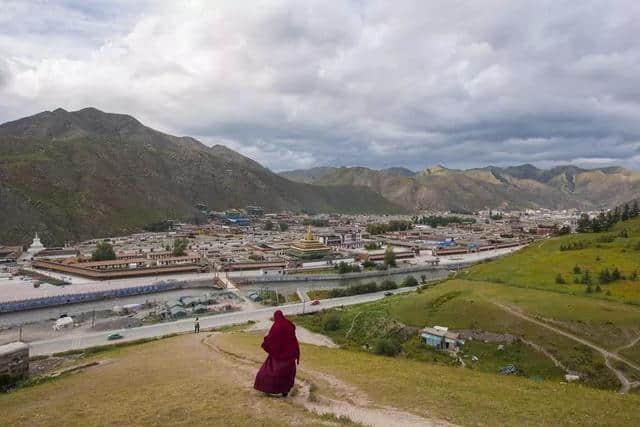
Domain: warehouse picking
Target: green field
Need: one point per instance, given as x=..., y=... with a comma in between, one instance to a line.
x=463, y=304
x=538, y=265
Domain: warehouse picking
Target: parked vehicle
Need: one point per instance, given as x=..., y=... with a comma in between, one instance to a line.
x=388, y=294
x=114, y=336
x=315, y=302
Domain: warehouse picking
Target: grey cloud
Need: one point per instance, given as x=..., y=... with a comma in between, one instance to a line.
x=299, y=84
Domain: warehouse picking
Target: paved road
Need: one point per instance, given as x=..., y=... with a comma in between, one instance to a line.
x=186, y=325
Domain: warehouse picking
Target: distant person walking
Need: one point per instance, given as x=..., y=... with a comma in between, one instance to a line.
x=278, y=372
x=196, y=326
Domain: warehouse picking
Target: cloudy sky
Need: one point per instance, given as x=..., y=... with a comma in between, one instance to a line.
x=296, y=84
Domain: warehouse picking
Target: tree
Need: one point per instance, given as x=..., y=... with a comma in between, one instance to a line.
x=387, y=285
x=559, y=279
x=386, y=347
x=389, y=257
x=626, y=212
x=331, y=322
x=616, y=275
x=268, y=225
x=423, y=278
x=103, y=252
x=584, y=224
x=284, y=226
x=605, y=276
x=577, y=269
x=635, y=210
x=179, y=247
x=410, y=281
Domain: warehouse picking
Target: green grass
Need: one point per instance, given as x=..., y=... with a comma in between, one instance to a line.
x=461, y=396
x=538, y=265
x=461, y=304
x=293, y=297
x=318, y=294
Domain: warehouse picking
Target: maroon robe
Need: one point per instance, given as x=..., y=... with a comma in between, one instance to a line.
x=278, y=372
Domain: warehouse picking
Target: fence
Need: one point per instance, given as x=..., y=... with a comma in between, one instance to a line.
x=50, y=301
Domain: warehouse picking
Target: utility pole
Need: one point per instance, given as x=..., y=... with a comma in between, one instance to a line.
x=93, y=318
x=20, y=339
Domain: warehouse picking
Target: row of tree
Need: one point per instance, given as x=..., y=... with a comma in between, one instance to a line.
x=367, y=288
x=388, y=227
x=268, y=225
x=441, y=221
x=604, y=222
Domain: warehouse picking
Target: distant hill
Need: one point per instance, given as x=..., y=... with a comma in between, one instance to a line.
x=82, y=174
x=514, y=187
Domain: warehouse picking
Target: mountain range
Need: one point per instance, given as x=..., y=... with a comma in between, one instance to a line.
x=87, y=173
x=515, y=187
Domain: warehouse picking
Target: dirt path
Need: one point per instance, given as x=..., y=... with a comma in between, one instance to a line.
x=350, y=402
x=544, y=351
x=631, y=344
x=625, y=384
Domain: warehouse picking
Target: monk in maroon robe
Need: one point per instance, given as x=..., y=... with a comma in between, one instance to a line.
x=278, y=372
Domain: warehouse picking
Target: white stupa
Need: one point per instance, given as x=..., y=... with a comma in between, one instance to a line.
x=35, y=248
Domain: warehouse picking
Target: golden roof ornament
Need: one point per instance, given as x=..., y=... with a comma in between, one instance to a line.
x=309, y=235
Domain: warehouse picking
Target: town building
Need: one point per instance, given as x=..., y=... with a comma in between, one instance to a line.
x=10, y=253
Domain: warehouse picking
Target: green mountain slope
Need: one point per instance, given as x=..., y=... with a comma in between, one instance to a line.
x=75, y=175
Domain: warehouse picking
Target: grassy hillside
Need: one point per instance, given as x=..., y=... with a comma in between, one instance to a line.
x=82, y=174
x=461, y=304
x=458, y=395
x=207, y=380
x=538, y=265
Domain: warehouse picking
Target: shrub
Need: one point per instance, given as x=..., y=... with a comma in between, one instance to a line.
x=423, y=278
x=387, y=285
x=410, y=281
x=331, y=322
x=598, y=288
x=368, y=264
x=560, y=280
x=577, y=269
x=386, y=347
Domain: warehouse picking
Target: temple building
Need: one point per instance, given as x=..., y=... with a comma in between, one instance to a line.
x=309, y=247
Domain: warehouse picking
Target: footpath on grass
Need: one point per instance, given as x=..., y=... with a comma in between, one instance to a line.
x=625, y=383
